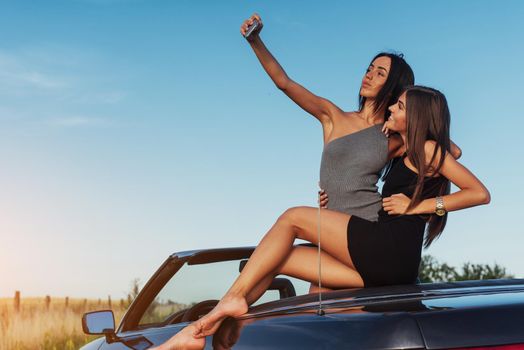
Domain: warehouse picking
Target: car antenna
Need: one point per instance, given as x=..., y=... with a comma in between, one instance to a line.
x=320, y=311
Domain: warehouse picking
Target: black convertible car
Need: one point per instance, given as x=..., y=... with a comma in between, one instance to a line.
x=462, y=315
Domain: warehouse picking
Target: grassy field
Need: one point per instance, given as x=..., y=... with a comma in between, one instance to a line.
x=54, y=325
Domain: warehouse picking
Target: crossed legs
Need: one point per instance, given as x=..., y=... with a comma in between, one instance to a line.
x=276, y=254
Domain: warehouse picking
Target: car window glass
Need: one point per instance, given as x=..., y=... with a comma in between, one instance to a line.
x=193, y=284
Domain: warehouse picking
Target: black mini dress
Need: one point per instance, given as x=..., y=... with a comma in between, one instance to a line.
x=388, y=251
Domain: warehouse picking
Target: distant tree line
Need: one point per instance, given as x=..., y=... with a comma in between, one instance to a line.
x=431, y=270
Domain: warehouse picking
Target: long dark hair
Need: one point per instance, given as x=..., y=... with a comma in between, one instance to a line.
x=400, y=76
x=427, y=118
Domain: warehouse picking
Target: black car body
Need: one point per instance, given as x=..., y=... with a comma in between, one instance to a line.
x=470, y=314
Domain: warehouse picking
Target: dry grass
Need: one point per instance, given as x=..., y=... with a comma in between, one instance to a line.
x=57, y=327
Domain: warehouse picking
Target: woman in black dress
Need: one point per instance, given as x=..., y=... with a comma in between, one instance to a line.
x=355, y=151
x=357, y=252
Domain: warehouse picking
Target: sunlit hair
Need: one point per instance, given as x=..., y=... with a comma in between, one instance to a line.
x=427, y=118
x=399, y=77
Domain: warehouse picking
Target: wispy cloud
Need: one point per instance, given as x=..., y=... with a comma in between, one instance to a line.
x=42, y=82
x=77, y=121
x=59, y=74
x=15, y=73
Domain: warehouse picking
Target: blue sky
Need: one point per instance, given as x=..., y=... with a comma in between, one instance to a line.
x=133, y=129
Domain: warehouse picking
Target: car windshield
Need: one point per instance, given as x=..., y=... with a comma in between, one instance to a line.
x=194, y=284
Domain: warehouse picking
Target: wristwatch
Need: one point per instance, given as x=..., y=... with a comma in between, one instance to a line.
x=439, y=209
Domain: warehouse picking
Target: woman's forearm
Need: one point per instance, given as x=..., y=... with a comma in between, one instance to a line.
x=269, y=63
x=465, y=198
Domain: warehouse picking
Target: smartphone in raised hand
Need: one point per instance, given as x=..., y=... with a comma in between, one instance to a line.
x=252, y=28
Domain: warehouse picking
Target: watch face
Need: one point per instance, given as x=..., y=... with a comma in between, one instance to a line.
x=440, y=212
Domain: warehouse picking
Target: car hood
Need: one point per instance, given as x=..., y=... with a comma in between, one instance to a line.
x=432, y=316
x=426, y=316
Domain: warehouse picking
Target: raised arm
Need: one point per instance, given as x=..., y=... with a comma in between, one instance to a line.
x=472, y=192
x=396, y=146
x=319, y=107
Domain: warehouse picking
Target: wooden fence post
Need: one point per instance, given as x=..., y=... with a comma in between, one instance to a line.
x=47, y=302
x=17, y=301
x=67, y=302
x=109, y=301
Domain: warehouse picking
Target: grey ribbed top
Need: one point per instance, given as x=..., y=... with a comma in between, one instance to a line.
x=350, y=170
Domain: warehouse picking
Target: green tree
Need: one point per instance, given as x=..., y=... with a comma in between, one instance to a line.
x=431, y=270
x=482, y=272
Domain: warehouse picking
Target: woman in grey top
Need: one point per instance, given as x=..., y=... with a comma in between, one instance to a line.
x=355, y=148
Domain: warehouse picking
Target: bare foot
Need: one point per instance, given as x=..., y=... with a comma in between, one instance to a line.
x=229, y=305
x=184, y=340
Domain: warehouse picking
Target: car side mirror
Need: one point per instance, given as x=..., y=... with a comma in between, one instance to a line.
x=99, y=322
x=103, y=323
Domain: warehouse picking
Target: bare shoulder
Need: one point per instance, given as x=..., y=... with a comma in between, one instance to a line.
x=332, y=112
x=339, y=117
x=429, y=148
x=348, y=115
x=433, y=152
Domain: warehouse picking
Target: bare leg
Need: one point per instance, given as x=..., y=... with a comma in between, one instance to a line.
x=302, y=262
x=274, y=249
x=299, y=260
x=264, y=284
x=260, y=288
x=314, y=288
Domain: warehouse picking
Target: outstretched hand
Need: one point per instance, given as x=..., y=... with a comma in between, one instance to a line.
x=397, y=204
x=245, y=25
